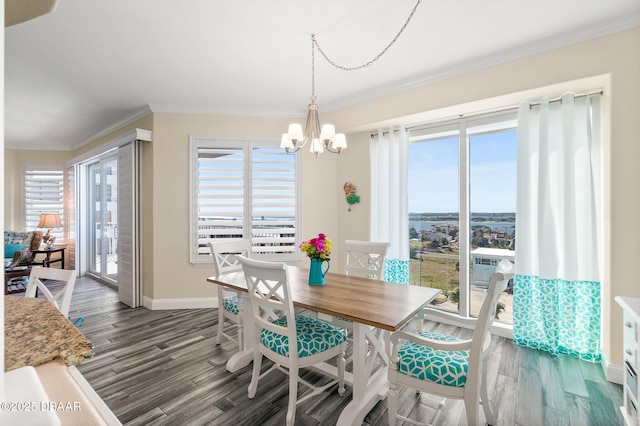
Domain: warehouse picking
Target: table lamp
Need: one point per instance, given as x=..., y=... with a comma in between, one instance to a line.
x=49, y=220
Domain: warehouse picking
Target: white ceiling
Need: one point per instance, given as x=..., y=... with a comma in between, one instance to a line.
x=91, y=66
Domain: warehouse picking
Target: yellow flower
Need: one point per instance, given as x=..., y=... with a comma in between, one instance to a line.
x=317, y=248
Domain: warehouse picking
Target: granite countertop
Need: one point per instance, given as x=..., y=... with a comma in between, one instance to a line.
x=35, y=332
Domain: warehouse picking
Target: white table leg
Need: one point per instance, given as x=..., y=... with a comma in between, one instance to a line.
x=368, y=388
x=242, y=358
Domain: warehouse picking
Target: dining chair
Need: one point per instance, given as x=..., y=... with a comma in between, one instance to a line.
x=61, y=299
x=365, y=258
x=445, y=365
x=224, y=257
x=292, y=341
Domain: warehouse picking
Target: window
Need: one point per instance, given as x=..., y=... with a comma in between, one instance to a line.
x=43, y=193
x=462, y=202
x=244, y=189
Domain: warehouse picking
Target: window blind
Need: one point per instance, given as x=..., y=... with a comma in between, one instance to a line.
x=244, y=189
x=43, y=193
x=273, y=202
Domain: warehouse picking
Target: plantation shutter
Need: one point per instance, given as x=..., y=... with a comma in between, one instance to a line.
x=43, y=193
x=273, y=203
x=70, y=216
x=220, y=194
x=243, y=190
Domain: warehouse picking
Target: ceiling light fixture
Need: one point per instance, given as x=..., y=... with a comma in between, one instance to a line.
x=321, y=138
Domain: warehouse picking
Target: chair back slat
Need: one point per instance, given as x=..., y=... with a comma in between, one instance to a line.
x=61, y=299
x=365, y=258
x=224, y=254
x=269, y=291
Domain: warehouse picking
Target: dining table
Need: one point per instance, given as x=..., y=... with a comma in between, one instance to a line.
x=36, y=332
x=375, y=309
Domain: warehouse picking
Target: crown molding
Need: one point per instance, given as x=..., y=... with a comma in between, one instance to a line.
x=136, y=115
x=579, y=35
x=218, y=110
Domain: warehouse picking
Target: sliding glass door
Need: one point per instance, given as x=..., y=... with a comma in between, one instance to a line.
x=103, y=219
x=462, y=200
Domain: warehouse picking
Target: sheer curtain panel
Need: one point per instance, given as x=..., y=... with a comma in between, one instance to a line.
x=389, y=205
x=557, y=294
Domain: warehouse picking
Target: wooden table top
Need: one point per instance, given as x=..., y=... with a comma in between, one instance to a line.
x=377, y=303
x=35, y=332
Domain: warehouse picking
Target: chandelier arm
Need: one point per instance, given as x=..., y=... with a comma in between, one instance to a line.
x=292, y=150
x=359, y=67
x=331, y=149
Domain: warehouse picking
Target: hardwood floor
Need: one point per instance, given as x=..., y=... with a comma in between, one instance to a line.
x=163, y=368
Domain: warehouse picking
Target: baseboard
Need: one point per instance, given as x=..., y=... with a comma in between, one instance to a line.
x=183, y=303
x=612, y=372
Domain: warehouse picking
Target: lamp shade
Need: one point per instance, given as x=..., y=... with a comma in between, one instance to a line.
x=328, y=132
x=295, y=132
x=285, y=142
x=340, y=141
x=50, y=220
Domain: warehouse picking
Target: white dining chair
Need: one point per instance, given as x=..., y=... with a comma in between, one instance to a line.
x=61, y=299
x=445, y=365
x=365, y=258
x=293, y=341
x=229, y=305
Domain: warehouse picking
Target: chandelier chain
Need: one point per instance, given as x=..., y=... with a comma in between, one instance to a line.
x=313, y=68
x=314, y=42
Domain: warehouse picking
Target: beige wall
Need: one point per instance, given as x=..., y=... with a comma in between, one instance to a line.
x=14, y=161
x=353, y=167
x=611, y=63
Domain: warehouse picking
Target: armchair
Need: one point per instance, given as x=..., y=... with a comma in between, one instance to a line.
x=445, y=365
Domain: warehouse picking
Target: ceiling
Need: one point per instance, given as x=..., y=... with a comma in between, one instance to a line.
x=92, y=66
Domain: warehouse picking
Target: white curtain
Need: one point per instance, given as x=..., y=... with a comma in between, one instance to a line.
x=389, y=205
x=558, y=237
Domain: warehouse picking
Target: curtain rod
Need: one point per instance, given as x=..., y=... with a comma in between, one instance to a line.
x=532, y=104
x=497, y=110
x=385, y=132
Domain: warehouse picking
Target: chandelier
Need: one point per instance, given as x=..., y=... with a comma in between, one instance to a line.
x=324, y=138
x=319, y=138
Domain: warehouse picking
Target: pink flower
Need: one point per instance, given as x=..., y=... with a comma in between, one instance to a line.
x=318, y=247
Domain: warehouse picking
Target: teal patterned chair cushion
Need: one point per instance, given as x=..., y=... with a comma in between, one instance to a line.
x=230, y=304
x=314, y=336
x=444, y=367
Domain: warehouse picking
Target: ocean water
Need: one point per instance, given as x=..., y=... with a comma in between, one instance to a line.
x=420, y=225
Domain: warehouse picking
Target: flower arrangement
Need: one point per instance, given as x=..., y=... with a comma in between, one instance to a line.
x=317, y=248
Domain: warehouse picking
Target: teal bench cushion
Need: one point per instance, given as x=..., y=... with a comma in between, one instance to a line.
x=444, y=367
x=314, y=336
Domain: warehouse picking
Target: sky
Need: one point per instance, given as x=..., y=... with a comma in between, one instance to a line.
x=433, y=174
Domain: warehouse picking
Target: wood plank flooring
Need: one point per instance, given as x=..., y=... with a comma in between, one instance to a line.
x=163, y=368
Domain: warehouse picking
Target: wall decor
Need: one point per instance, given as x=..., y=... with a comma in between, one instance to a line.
x=350, y=194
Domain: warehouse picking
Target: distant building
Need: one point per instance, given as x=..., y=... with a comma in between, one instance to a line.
x=499, y=235
x=484, y=262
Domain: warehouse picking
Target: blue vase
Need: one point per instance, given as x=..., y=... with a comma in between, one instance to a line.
x=316, y=274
